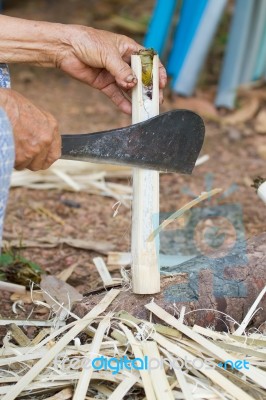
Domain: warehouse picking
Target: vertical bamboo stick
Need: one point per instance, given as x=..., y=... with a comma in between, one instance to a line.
x=145, y=205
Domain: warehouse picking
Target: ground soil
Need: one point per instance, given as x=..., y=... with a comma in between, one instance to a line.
x=234, y=156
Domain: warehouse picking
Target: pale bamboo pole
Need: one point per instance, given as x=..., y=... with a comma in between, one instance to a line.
x=12, y=287
x=145, y=204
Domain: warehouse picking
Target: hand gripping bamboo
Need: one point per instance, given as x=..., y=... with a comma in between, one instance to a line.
x=145, y=205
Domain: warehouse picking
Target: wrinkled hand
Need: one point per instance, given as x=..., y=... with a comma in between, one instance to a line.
x=36, y=135
x=102, y=60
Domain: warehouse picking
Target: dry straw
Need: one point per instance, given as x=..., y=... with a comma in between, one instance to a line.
x=46, y=370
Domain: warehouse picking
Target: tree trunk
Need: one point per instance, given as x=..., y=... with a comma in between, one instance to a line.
x=211, y=289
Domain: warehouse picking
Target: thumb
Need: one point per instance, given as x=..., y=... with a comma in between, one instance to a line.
x=121, y=71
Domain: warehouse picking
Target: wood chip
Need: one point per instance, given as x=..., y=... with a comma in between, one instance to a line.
x=51, y=241
x=103, y=271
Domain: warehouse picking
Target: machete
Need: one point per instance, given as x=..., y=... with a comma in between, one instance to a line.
x=169, y=142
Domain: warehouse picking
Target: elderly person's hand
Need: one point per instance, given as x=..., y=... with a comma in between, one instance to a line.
x=99, y=58
x=36, y=135
x=102, y=60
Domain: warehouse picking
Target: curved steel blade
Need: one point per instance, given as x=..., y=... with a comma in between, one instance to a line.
x=169, y=142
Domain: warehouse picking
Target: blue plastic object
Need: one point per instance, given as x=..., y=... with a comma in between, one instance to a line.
x=159, y=27
x=260, y=67
x=185, y=81
x=235, y=54
x=256, y=29
x=190, y=17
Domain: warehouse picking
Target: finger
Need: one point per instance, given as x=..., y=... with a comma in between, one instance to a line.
x=21, y=166
x=121, y=71
x=54, y=152
x=162, y=76
x=37, y=163
x=162, y=71
x=21, y=160
x=161, y=100
x=118, y=97
x=126, y=55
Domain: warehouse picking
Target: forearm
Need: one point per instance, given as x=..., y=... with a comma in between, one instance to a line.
x=34, y=42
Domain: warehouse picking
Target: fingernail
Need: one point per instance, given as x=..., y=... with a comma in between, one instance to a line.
x=131, y=78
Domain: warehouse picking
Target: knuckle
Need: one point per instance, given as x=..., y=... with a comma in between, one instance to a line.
x=53, y=157
x=33, y=168
x=47, y=138
x=124, y=68
x=22, y=158
x=47, y=164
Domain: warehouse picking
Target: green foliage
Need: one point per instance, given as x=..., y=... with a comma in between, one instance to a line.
x=16, y=269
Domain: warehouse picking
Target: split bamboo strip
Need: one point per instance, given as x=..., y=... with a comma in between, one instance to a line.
x=250, y=313
x=158, y=377
x=253, y=373
x=180, y=376
x=103, y=271
x=145, y=204
x=64, y=394
x=86, y=374
x=73, y=332
x=102, y=389
x=12, y=287
x=137, y=351
x=203, y=196
x=214, y=375
x=123, y=388
x=29, y=322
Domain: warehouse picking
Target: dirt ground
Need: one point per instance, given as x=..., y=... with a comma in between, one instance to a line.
x=235, y=155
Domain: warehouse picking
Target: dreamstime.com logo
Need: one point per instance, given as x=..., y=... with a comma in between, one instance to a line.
x=117, y=365
x=212, y=233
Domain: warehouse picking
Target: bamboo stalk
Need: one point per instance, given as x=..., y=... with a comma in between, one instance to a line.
x=145, y=204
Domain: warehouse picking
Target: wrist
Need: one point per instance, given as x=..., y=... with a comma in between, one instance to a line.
x=34, y=42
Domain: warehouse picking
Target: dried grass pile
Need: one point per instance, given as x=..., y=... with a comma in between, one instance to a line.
x=186, y=363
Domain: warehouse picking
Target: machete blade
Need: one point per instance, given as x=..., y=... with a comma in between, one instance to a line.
x=169, y=142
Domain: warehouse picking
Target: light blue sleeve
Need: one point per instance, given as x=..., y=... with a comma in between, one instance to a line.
x=7, y=152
